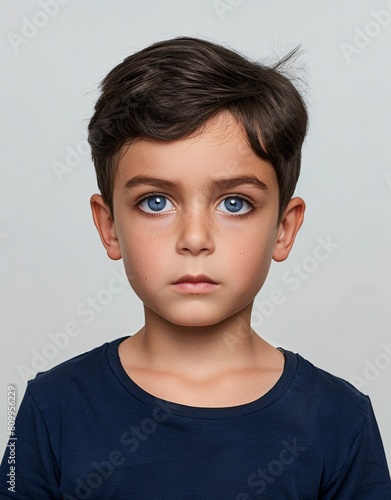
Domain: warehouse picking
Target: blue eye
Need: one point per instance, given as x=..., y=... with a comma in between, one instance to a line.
x=235, y=203
x=155, y=203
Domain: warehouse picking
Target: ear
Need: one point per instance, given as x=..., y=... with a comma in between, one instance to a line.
x=104, y=223
x=291, y=220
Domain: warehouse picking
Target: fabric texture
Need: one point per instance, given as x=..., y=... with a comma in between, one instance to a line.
x=85, y=430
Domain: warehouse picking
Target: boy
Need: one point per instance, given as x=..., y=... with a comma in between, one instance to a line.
x=197, y=152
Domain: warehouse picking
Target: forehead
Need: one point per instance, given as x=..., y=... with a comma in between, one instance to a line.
x=218, y=150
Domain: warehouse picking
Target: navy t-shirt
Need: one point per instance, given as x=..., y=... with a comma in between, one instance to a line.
x=85, y=430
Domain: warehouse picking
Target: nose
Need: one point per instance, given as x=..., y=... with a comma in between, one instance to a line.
x=196, y=232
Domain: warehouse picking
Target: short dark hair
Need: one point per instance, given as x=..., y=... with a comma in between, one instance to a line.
x=172, y=88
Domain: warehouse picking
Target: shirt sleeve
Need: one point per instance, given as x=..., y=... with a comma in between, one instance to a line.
x=364, y=475
x=36, y=473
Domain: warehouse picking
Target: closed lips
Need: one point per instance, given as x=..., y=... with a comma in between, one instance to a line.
x=194, y=279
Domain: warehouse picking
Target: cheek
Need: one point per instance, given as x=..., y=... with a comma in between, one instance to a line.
x=132, y=249
x=141, y=256
x=254, y=258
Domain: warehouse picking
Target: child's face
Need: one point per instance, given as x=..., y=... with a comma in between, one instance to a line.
x=192, y=226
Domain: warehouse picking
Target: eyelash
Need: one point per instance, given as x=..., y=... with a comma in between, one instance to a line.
x=158, y=214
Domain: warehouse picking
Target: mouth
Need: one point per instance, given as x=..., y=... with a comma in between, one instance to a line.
x=195, y=284
x=199, y=278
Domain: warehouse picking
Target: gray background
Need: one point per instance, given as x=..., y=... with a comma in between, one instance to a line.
x=333, y=311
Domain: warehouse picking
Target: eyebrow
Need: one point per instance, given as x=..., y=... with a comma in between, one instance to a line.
x=227, y=183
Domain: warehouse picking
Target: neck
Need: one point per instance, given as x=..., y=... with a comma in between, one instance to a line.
x=200, y=351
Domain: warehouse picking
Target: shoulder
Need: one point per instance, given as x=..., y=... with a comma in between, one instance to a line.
x=72, y=377
x=331, y=415
x=330, y=400
x=341, y=426
x=313, y=378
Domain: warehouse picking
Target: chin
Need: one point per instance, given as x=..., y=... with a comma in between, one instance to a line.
x=194, y=320
x=196, y=323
